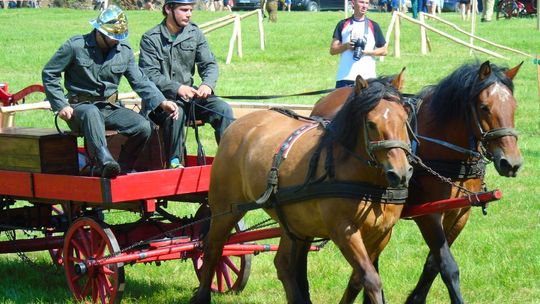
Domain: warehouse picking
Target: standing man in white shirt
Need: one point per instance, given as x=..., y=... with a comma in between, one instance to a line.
x=358, y=40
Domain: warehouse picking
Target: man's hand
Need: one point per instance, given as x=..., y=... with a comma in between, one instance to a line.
x=66, y=113
x=170, y=107
x=204, y=91
x=185, y=92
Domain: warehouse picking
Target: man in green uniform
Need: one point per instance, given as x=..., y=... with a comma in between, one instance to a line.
x=170, y=52
x=93, y=65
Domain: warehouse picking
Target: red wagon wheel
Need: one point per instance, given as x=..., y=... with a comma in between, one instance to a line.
x=85, y=240
x=232, y=272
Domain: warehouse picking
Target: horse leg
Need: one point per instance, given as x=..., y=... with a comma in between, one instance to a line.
x=287, y=270
x=220, y=227
x=366, y=297
x=364, y=275
x=440, y=259
x=302, y=250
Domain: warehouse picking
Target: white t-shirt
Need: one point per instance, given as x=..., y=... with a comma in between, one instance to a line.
x=348, y=29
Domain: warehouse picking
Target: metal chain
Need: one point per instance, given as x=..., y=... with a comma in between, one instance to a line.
x=417, y=160
x=11, y=235
x=266, y=223
x=164, y=234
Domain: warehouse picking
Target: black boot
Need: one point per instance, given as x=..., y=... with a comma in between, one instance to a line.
x=106, y=163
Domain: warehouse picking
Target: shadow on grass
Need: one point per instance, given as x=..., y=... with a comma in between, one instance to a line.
x=42, y=282
x=39, y=281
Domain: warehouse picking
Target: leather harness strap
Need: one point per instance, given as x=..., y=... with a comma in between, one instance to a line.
x=272, y=197
x=332, y=189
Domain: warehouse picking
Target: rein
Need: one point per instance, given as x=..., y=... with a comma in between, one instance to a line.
x=263, y=97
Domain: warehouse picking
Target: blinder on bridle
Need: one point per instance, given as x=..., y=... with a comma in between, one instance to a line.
x=386, y=144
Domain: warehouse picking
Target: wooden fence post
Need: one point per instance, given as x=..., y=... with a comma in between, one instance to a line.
x=238, y=24
x=234, y=37
x=537, y=63
x=423, y=34
x=389, y=31
x=473, y=23
x=261, y=28
x=397, y=36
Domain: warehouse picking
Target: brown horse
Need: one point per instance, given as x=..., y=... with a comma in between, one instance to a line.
x=369, y=142
x=466, y=118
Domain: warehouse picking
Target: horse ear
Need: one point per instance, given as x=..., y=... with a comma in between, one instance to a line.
x=360, y=84
x=485, y=70
x=397, y=82
x=513, y=71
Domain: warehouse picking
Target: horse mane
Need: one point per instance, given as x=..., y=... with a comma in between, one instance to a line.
x=350, y=119
x=450, y=98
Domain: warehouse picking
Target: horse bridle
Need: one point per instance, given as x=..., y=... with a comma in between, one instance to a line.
x=489, y=135
x=374, y=146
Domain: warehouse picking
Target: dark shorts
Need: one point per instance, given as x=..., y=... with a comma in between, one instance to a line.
x=344, y=83
x=465, y=1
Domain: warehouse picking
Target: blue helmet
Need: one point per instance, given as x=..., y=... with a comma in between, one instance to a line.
x=180, y=2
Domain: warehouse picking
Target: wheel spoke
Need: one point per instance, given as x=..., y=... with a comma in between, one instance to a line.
x=229, y=262
x=107, y=283
x=107, y=271
x=83, y=238
x=104, y=289
x=219, y=278
x=226, y=275
x=75, y=278
x=78, y=248
x=94, y=290
x=86, y=289
x=100, y=250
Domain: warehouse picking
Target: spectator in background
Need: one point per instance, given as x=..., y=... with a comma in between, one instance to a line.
x=465, y=8
x=287, y=5
x=414, y=7
x=487, y=12
x=149, y=5
x=357, y=40
x=228, y=4
x=99, y=5
x=433, y=4
x=272, y=8
x=218, y=5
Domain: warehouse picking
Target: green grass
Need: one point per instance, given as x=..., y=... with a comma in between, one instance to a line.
x=498, y=254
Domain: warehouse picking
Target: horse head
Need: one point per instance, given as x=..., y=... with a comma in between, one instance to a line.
x=494, y=114
x=371, y=125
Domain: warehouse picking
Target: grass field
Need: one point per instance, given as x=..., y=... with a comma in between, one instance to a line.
x=498, y=254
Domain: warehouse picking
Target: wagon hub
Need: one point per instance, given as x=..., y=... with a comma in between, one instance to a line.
x=80, y=268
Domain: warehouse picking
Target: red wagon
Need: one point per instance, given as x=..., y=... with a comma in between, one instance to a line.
x=68, y=209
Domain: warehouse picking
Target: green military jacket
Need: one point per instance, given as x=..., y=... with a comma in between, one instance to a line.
x=87, y=72
x=170, y=62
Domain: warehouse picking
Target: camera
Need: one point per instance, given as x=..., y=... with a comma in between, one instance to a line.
x=359, y=45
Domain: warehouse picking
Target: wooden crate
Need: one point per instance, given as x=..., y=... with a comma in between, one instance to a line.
x=38, y=150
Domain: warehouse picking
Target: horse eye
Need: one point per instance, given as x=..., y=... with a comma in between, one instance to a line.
x=372, y=125
x=484, y=108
